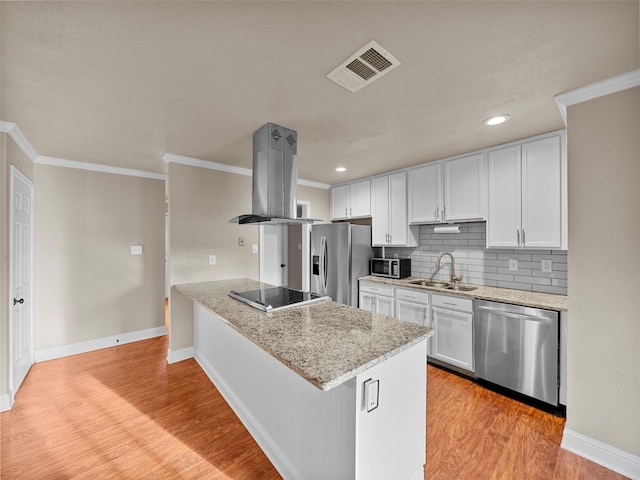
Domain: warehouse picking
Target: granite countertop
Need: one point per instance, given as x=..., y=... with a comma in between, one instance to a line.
x=548, y=301
x=325, y=343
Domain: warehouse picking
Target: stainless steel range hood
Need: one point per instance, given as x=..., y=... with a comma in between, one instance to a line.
x=275, y=177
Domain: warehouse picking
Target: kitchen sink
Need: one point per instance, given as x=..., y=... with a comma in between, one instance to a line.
x=430, y=283
x=443, y=285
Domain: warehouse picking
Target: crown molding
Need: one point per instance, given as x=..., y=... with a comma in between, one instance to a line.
x=222, y=167
x=197, y=162
x=16, y=134
x=97, y=167
x=595, y=90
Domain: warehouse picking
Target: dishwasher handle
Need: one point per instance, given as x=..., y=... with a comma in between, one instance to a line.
x=518, y=316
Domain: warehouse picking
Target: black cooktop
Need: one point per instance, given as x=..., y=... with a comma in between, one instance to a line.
x=277, y=298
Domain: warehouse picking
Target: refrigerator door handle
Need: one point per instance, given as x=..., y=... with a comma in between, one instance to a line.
x=323, y=264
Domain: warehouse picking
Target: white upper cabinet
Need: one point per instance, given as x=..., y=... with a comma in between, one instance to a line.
x=340, y=202
x=352, y=200
x=527, y=195
x=448, y=191
x=425, y=194
x=464, y=189
x=389, y=223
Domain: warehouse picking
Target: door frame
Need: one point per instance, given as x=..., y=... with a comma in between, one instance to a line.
x=306, y=244
x=15, y=174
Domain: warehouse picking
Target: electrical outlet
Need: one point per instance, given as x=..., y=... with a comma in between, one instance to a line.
x=513, y=265
x=241, y=241
x=212, y=259
x=371, y=394
x=136, y=249
x=546, y=266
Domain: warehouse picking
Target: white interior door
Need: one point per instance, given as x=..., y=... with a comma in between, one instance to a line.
x=21, y=280
x=273, y=254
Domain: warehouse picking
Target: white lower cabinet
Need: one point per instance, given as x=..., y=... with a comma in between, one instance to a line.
x=452, y=322
x=413, y=306
x=376, y=298
x=450, y=317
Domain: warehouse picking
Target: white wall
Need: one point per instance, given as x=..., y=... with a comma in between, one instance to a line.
x=604, y=264
x=88, y=285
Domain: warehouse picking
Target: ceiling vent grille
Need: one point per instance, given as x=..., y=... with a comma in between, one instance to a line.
x=365, y=66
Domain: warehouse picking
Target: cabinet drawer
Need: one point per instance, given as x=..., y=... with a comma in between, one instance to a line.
x=412, y=295
x=454, y=303
x=377, y=288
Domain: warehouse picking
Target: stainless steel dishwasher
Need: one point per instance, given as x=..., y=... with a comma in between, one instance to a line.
x=517, y=348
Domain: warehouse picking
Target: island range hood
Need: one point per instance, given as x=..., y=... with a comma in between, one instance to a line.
x=275, y=177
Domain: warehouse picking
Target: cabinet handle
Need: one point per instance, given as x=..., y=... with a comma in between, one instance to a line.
x=444, y=212
x=518, y=232
x=437, y=213
x=350, y=211
x=345, y=212
x=523, y=238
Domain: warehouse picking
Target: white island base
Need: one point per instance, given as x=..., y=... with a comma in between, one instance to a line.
x=308, y=433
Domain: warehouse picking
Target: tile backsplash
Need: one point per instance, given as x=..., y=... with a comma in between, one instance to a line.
x=480, y=265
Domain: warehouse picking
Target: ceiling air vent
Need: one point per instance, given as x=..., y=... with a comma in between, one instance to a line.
x=366, y=65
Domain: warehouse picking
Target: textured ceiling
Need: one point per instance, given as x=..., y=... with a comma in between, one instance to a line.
x=123, y=83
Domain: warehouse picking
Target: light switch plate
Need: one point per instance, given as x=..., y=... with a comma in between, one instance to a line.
x=212, y=259
x=254, y=248
x=136, y=249
x=371, y=394
x=241, y=241
x=513, y=265
x=546, y=266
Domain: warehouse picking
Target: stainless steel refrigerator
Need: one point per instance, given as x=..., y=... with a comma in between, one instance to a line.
x=340, y=253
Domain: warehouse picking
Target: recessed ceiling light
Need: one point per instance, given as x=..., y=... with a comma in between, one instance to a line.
x=341, y=169
x=497, y=120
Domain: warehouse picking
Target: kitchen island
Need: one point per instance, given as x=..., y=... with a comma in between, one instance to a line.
x=297, y=380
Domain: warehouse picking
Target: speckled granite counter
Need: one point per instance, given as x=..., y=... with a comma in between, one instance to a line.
x=506, y=295
x=325, y=343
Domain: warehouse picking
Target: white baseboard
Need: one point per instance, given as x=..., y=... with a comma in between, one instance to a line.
x=601, y=453
x=98, y=343
x=174, y=356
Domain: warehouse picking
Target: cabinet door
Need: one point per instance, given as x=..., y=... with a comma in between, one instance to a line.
x=425, y=195
x=504, y=216
x=542, y=193
x=412, y=312
x=453, y=339
x=340, y=202
x=384, y=306
x=361, y=199
x=463, y=188
x=380, y=210
x=367, y=302
x=398, y=222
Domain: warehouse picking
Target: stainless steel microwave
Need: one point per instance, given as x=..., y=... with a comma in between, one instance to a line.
x=390, y=267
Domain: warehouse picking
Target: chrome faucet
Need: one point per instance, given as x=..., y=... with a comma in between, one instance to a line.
x=454, y=279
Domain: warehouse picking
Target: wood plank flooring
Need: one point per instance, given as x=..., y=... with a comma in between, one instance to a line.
x=124, y=413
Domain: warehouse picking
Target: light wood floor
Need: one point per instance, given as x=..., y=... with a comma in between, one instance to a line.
x=124, y=413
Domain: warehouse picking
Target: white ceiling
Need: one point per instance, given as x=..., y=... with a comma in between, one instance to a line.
x=121, y=84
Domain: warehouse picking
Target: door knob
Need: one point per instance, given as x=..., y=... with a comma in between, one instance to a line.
x=282, y=265
x=18, y=301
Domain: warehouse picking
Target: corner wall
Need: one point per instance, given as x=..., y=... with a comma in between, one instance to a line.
x=604, y=260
